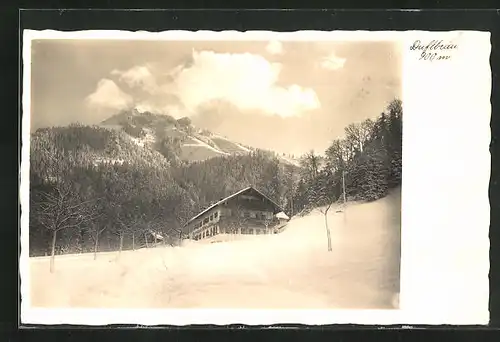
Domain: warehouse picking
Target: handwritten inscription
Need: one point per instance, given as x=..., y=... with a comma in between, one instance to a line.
x=435, y=50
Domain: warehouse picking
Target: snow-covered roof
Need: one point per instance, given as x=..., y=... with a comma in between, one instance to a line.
x=156, y=235
x=231, y=196
x=282, y=215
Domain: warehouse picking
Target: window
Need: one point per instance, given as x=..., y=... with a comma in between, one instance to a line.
x=205, y=221
x=216, y=214
x=246, y=214
x=253, y=214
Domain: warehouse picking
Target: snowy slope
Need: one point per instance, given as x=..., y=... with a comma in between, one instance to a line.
x=195, y=141
x=228, y=145
x=196, y=149
x=288, y=270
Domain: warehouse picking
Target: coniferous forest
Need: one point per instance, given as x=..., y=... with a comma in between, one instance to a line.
x=92, y=189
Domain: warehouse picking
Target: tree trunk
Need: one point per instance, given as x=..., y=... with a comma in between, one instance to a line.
x=133, y=241
x=146, y=238
x=328, y=236
x=121, y=243
x=53, y=251
x=96, y=244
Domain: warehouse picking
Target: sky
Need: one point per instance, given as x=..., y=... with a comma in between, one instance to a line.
x=287, y=96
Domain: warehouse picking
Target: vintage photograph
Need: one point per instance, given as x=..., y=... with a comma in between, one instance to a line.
x=213, y=174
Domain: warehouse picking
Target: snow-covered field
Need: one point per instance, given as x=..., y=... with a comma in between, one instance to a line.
x=292, y=269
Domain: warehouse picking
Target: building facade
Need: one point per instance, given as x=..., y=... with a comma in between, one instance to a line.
x=246, y=212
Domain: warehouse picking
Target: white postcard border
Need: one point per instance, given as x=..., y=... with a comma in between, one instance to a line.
x=442, y=101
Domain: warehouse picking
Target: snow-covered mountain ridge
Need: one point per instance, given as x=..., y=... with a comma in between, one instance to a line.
x=185, y=141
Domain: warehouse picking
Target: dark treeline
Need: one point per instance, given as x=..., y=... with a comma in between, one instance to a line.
x=368, y=158
x=93, y=189
x=219, y=177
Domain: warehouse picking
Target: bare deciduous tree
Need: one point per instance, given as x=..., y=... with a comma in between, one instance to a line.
x=95, y=231
x=127, y=223
x=359, y=133
x=339, y=154
x=311, y=163
x=323, y=197
x=62, y=209
x=324, y=211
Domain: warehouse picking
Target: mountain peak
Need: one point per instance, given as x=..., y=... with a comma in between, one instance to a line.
x=177, y=138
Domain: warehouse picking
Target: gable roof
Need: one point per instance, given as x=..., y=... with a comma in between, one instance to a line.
x=232, y=196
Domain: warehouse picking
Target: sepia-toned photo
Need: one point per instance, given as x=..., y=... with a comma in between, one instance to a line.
x=215, y=174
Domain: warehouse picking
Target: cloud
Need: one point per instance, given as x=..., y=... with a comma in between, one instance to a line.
x=138, y=77
x=109, y=95
x=246, y=80
x=274, y=47
x=332, y=62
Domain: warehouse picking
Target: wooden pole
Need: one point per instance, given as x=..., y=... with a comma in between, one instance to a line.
x=343, y=191
x=343, y=187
